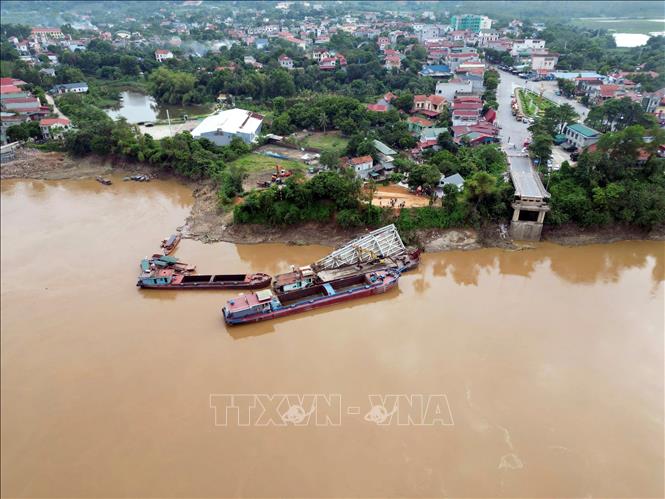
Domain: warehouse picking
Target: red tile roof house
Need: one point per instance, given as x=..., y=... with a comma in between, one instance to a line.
x=361, y=165
x=285, y=61
x=430, y=105
x=332, y=62
x=392, y=62
x=377, y=108
x=465, y=116
x=605, y=92
x=161, y=55
x=21, y=103
x=12, y=92
x=417, y=124
x=53, y=128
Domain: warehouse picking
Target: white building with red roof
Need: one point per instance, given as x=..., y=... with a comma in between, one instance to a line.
x=285, y=61
x=43, y=35
x=162, y=55
x=361, y=165
x=53, y=128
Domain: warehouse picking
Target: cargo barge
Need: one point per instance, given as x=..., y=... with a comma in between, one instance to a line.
x=264, y=305
x=171, y=279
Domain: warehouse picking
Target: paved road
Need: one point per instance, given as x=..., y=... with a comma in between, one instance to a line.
x=551, y=87
x=513, y=132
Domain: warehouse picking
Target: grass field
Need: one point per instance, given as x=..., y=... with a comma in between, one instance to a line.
x=254, y=163
x=642, y=26
x=326, y=141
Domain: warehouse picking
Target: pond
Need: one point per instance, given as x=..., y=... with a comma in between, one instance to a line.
x=630, y=39
x=137, y=107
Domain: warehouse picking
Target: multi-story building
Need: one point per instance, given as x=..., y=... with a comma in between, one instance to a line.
x=162, y=54
x=471, y=22
x=285, y=61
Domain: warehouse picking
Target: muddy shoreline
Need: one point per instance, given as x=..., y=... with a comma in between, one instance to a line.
x=207, y=223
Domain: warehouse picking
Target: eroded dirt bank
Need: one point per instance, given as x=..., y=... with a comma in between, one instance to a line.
x=207, y=223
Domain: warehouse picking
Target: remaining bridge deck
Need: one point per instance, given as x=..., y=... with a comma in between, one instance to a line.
x=526, y=179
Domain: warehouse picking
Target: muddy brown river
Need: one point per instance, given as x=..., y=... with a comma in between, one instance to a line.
x=533, y=373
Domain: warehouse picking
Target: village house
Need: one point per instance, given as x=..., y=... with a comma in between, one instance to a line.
x=250, y=61
x=223, y=126
x=332, y=62
x=435, y=70
x=383, y=42
x=318, y=54
x=429, y=105
x=361, y=165
x=70, y=88
x=285, y=61
x=163, y=54
x=581, y=136
x=53, y=128
x=417, y=124
x=386, y=155
x=377, y=108
x=466, y=110
x=44, y=35
x=451, y=88
x=527, y=46
x=455, y=179
x=392, y=62
x=544, y=61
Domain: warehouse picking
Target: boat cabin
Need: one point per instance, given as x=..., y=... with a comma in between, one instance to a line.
x=156, y=280
x=249, y=304
x=300, y=278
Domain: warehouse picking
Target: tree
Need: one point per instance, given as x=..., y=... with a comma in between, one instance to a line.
x=323, y=121
x=280, y=83
x=426, y=176
x=24, y=131
x=329, y=158
x=617, y=114
x=566, y=87
x=129, y=65
x=404, y=102
x=281, y=125
x=172, y=87
x=541, y=148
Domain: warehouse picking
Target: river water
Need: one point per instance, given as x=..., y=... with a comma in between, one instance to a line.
x=547, y=365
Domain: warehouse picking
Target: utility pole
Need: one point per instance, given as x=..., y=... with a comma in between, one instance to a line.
x=168, y=118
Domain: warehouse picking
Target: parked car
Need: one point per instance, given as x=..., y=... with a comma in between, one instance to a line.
x=574, y=156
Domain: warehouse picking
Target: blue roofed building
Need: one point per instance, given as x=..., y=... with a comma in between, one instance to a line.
x=435, y=70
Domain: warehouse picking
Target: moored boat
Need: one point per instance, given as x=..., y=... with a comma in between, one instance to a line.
x=158, y=261
x=265, y=305
x=169, y=278
x=103, y=180
x=169, y=245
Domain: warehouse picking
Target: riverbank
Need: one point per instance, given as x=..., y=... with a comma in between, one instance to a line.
x=206, y=222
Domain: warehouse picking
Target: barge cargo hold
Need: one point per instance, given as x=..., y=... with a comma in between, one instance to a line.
x=170, y=279
x=264, y=305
